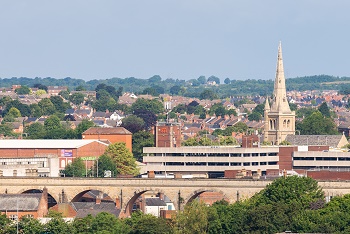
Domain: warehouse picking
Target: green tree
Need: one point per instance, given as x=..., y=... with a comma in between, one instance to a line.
x=52, y=123
x=227, y=81
x=40, y=92
x=6, y=130
x=82, y=225
x=208, y=94
x=77, y=98
x=46, y=106
x=64, y=94
x=193, y=219
x=23, y=90
x=14, y=112
x=83, y=126
x=30, y=226
x=35, y=131
x=141, y=139
x=255, y=116
x=107, y=223
x=240, y=127
x=4, y=223
x=126, y=163
x=325, y=110
x=317, y=124
x=75, y=169
x=190, y=142
x=175, y=90
x=202, y=80
x=58, y=226
x=148, y=224
x=35, y=110
x=133, y=123
x=153, y=105
x=59, y=104
x=106, y=163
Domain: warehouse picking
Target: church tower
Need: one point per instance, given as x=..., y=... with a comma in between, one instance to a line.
x=279, y=119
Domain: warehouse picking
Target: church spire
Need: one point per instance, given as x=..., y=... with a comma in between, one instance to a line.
x=267, y=104
x=279, y=101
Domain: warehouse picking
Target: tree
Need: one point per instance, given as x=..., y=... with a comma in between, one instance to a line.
x=75, y=169
x=175, y=90
x=301, y=191
x=59, y=104
x=40, y=86
x=6, y=130
x=46, y=106
x=126, y=163
x=80, y=88
x=105, y=163
x=35, y=110
x=40, y=92
x=190, y=142
x=14, y=112
x=133, y=123
x=208, y=94
x=324, y=110
x=77, y=98
x=148, y=224
x=30, y=226
x=193, y=219
x=83, y=126
x=148, y=117
x=35, y=131
x=215, y=79
x=58, y=226
x=64, y=94
x=240, y=127
x=52, y=123
x=255, y=116
x=202, y=80
x=317, y=124
x=153, y=105
x=227, y=81
x=141, y=139
x=23, y=90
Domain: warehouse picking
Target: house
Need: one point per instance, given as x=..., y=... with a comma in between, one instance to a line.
x=55, y=90
x=34, y=205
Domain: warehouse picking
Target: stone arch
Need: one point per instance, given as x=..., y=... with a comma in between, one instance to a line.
x=78, y=195
x=196, y=193
x=285, y=124
x=131, y=199
x=52, y=199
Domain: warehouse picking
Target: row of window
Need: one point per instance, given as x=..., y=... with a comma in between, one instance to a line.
x=218, y=154
x=321, y=159
x=219, y=163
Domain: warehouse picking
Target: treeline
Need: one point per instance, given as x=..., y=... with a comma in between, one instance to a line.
x=295, y=204
x=155, y=85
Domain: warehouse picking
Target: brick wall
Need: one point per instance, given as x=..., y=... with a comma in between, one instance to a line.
x=127, y=139
x=285, y=157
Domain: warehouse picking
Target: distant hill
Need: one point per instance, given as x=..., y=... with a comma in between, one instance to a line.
x=191, y=88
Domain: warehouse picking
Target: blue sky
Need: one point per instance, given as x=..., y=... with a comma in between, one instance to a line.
x=184, y=39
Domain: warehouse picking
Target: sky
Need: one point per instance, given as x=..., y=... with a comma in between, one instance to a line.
x=180, y=39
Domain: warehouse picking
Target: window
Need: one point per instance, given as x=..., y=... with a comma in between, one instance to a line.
x=13, y=217
x=236, y=164
x=29, y=216
x=246, y=164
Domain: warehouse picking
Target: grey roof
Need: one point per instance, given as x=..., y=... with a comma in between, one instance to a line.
x=155, y=202
x=69, y=111
x=21, y=202
x=85, y=208
x=331, y=140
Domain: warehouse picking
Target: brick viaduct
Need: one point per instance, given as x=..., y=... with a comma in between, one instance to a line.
x=126, y=191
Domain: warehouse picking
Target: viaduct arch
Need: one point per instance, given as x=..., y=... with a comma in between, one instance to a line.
x=125, y=191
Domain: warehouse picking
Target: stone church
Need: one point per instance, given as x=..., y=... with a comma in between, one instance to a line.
x=279, y=119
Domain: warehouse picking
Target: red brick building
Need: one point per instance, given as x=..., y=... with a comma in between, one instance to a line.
x=167, y=135
x=113, y=135
x=65, y=150
x=34, y=205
